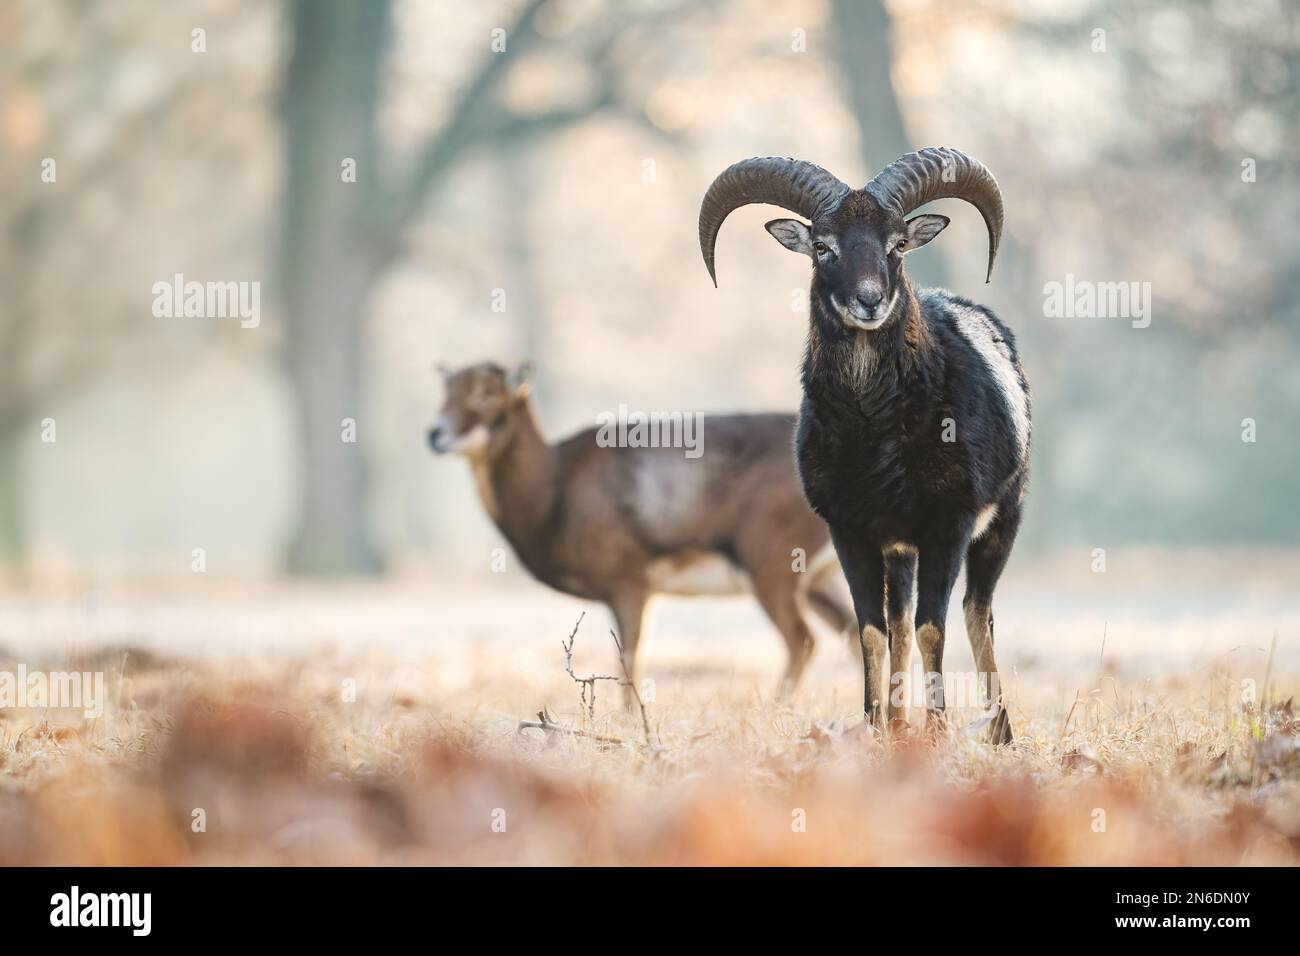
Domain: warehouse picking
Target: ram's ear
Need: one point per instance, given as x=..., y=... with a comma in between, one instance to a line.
x=922, y=229
x=792, y=234
x=520, y=381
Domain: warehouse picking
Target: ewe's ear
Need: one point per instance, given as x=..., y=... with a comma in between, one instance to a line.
x=792, y=234
x=520, y=381
x=922, y=229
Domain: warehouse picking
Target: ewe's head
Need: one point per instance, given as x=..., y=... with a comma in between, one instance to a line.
x=857, y=238
x=477, y=400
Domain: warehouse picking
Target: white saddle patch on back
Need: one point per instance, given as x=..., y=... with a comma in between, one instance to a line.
x=976, y=329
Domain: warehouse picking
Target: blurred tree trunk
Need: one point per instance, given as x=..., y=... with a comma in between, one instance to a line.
x=329, y=265
x=865, y=51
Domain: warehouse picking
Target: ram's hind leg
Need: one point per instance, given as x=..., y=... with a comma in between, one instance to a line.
x=985, y=558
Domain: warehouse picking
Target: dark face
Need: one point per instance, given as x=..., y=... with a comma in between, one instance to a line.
x=857, y=253
x=477, y=399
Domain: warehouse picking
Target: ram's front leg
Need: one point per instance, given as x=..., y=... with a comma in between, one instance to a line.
x=864, y=568
x=937, y=569
x=900, y=613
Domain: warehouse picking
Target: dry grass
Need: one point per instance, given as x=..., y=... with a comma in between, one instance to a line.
x=427, y=765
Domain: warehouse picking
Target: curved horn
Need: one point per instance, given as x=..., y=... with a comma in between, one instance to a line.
x=801, y=187
x=913, y=180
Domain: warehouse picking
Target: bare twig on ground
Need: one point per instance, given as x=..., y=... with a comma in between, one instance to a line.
x=544, y=722
x=586, y=685
x=587, y=694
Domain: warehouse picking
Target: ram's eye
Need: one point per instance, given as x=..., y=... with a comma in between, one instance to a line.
x=900, y=245
x=821, y=248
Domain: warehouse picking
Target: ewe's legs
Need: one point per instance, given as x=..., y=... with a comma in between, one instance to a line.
x=778, y=593
x=629, y=615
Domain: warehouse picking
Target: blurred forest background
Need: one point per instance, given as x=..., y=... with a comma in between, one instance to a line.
x=563, y=161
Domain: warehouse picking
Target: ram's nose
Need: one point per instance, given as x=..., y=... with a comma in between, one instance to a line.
x=436, y=436
x=869, y=299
